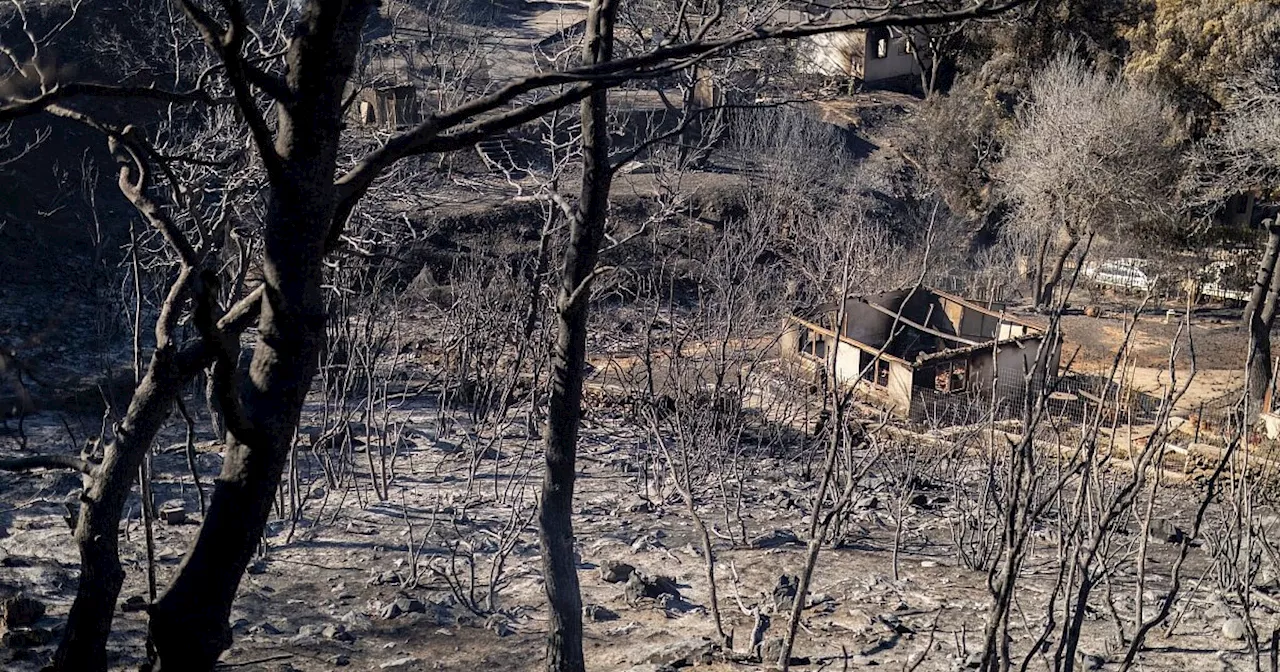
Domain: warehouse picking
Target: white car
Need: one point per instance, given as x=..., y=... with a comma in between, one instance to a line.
x=1125, y=273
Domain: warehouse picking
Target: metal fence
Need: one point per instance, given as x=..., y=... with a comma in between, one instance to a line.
x=1075, y=397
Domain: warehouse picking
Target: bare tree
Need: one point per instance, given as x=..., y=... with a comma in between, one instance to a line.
x=1090, y=155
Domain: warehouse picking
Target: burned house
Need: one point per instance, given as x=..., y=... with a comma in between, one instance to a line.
x=916, y=349
x=871, y=56
x=388, y=106
x=877, y=56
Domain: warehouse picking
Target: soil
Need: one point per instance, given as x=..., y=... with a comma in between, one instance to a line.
x=318, y=596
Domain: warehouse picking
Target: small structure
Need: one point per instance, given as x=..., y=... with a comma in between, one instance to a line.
x=913, y=349
x=875, y=55
x=388, y=107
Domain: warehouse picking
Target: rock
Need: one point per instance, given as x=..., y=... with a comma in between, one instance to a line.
x=1090, y=662
x=25, y=638
x=340, y=660
x=355, y=619
x=337, y=633
x=868, y=503
x=928, y=564
x=639, y=587
x=265, y=628
x=1234, y=629
x=774, y=539
x=598, y=614
x=173, y=512
x=638, y=505
x=398, y=663
x=391, y=611
x=771, y=650
x=499, y=626
x=681, y=654
x=257, y=567
x=613, y=571
x=1092, y=311
x=784, y=593
x=1165, y=531
x=20, y=612
x=133, y=603
x=920, y=501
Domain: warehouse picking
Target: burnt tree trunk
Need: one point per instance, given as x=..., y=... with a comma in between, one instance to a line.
x=83, y=645
x=1262, y=279
x=1259, y=316
x=1055, y=274
x=1037, y=281
x=555, y=518
x=189, y=621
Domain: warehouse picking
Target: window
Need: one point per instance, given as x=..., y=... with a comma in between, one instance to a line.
x=809, y=345
x=882, y=373
x=879, y=37
x=951, y=376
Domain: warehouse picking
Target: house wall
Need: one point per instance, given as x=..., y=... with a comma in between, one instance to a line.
x=899, y=389
x=898, y=62
x=789, y=342
x=852, y=54
x=1009, y=330
x=849, y=362
x=1010, y=361
x=831, y=54
x=866, y=325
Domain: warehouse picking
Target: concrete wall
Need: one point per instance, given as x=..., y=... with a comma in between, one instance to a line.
x=1011, y=361
x=849, y=362
x=1009, y=330
x=899, y=389
x=867, y=325
x=831, y=54
x=898, y=62
x=852, y=54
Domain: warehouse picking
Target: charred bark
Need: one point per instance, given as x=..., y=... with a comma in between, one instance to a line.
x=555, y=518
x=1259, y=317
x=83, y=645
x=1050, y=286
x=1262, y=279
x=189, y=622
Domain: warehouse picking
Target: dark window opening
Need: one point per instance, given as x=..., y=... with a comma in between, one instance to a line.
x=812, y=345
x=951, y=376
x=880, y=38
x=882, y=373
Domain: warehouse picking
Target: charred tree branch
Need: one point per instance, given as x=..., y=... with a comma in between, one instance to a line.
x=49, y=462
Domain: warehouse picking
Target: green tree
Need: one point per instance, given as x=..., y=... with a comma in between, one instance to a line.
x=1190, y=49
